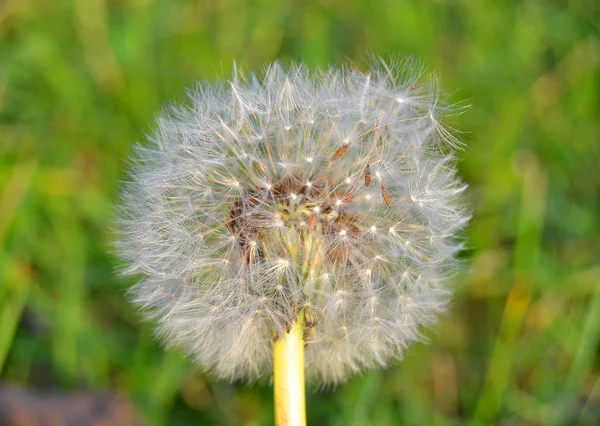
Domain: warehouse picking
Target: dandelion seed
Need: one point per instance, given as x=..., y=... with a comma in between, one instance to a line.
x=341, y=151
x=238, y=218
x=368, y=175
x=386, y=195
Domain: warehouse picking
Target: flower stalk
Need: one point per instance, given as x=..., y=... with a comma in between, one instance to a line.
x=288, y=376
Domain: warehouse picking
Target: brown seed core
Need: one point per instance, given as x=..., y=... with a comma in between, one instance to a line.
x=256, y=205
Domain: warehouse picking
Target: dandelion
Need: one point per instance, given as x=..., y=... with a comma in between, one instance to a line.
x=295, y=215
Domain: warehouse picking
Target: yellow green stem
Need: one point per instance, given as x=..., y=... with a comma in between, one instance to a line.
x=288, y=376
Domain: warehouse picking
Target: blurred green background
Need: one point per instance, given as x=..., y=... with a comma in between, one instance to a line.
x=80, y=81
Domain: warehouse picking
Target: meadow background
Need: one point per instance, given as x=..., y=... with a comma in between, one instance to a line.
x=80, y=81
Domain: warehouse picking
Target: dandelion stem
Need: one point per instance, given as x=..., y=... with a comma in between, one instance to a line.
x=288, y=377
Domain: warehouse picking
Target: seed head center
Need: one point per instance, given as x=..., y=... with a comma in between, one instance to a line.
x=279, y=223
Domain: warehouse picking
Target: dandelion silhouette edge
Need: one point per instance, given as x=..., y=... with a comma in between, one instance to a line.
x=333, y=193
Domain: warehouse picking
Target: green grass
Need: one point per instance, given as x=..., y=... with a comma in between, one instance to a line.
x=81, y=80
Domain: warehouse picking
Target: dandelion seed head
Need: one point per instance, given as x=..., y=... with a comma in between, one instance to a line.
x=257, y=201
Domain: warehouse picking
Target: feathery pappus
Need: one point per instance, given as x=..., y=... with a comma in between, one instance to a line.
x=330, y=193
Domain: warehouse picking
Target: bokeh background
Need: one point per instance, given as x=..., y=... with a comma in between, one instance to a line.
x=80, y=81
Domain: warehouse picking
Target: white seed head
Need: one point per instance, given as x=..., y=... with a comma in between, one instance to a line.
x=257, y=201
